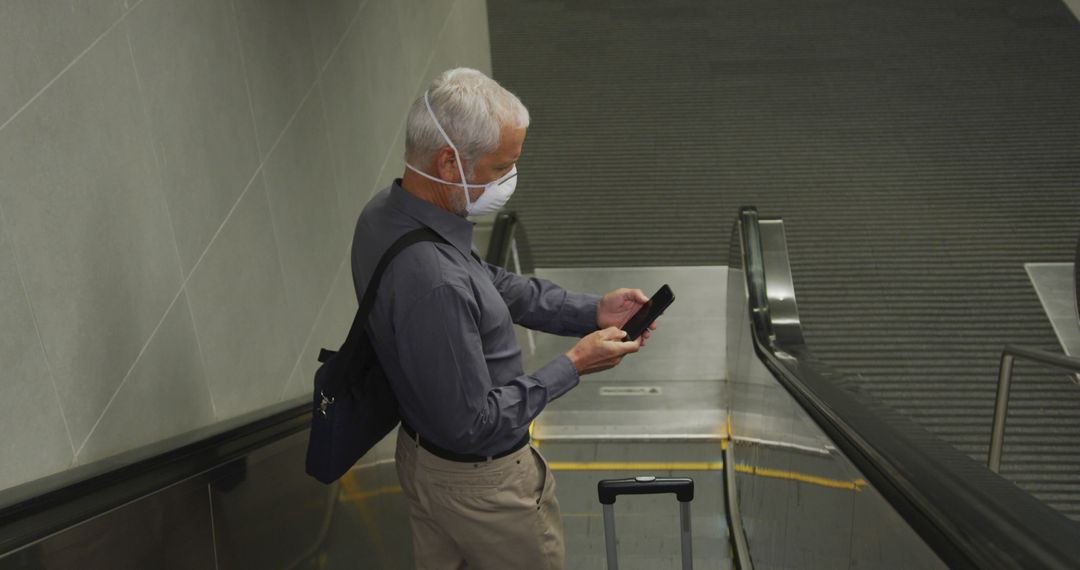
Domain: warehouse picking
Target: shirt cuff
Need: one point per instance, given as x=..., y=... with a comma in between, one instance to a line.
x=559, y=376
x=578, y=312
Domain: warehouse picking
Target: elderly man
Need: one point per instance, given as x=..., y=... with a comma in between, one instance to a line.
x=480, y=496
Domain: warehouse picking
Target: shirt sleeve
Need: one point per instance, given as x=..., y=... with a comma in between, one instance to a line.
x=447, y=379
x=542, y=305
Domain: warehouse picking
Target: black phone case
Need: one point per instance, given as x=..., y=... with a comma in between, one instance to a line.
x=632, y=335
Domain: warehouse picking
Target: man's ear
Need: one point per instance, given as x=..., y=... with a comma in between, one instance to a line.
x=446, y=164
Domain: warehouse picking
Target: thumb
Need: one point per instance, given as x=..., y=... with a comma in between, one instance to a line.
x=625, y=348
x=612, y=333
x=639, y=296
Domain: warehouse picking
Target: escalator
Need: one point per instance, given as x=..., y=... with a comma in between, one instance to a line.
x=825, y=476
x=795, y=466
x=969, y=516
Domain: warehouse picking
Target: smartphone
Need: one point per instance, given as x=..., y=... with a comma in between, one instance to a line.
x=639, y=323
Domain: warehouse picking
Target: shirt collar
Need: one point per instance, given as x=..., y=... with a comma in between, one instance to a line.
x=453, y=228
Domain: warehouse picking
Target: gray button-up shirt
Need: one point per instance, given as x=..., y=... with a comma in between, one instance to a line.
x=442, y=327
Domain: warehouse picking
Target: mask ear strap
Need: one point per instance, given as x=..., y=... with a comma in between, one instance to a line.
x=464, y=183
x=439, y=180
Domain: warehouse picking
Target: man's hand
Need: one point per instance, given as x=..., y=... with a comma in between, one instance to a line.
x=618, y=306
x=601, y=350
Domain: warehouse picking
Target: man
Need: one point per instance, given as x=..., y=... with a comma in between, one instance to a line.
x=480, y=496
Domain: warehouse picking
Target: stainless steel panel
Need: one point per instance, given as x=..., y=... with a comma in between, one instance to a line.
x=648, y=526
x=682, y=408
x=768, y=413
x=268, y=513
x=804, y=505
x=809, y=511
x=170, y=529
x=682, y=348
x=685, y=360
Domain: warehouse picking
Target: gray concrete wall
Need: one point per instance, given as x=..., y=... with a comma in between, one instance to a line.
x=178, y=184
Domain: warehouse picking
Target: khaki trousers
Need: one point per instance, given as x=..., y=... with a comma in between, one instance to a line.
x=499, y=514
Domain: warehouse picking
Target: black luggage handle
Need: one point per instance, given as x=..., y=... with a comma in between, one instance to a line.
x=608, y=489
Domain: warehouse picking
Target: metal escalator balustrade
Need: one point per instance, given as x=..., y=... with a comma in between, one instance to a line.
x=791, y=478
x=971, y=517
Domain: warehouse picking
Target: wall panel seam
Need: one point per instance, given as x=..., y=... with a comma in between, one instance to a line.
x=341, y=40
x=311, y=332
x=296, y=111
x=176, y=246
x=273, y=224
x=37, y=330
x=329, y=146
x=247, y=84
x=281, y=266
x=202, y=357
x=213, y=526
x=131, y=368
x=213, y=238
x=70, y=64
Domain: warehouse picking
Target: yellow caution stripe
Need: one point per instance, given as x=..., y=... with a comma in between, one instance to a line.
x=647, y=466
x=641, y=466
x=855, y=485
x=357, y=496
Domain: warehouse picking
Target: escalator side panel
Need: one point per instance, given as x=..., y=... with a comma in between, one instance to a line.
x=170, y=529
x=804, y=505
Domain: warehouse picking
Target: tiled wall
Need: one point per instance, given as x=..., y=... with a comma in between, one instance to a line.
x=178, y=185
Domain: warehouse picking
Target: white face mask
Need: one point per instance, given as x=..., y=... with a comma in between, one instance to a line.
x=496, y=193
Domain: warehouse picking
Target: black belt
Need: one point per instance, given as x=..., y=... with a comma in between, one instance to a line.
x=462, y=457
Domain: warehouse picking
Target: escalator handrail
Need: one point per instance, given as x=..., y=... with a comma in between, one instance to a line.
x=502, y=233
x=970, y=517
x=46, y=506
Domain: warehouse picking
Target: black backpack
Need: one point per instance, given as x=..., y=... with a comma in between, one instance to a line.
x=354, y=407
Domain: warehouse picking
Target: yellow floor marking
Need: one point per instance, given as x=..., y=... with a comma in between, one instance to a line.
x=357, y=496
x=535, y=442
x=855, y=485
x=640, y=466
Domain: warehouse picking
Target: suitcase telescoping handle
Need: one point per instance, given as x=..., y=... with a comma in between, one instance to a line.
x=683, y=487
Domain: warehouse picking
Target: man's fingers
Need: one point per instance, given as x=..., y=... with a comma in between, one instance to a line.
x=612, y=333
x=623, y=348
x=639, y=296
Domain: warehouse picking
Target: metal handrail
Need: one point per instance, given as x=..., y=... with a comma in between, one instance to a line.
x=1001, y=406
x=970, y=516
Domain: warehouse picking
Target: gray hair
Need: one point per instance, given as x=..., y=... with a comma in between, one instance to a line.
x=471, y=107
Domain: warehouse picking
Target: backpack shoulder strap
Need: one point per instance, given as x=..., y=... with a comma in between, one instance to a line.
x=368, y=302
